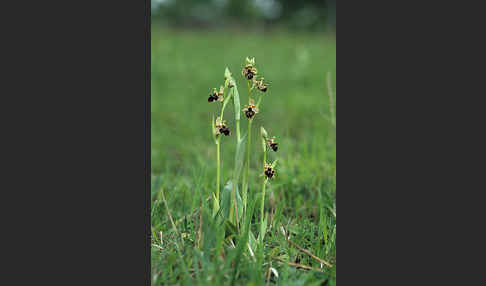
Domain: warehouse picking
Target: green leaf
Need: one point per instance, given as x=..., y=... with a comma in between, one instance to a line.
x=263, y=228
x=323, y=226
x=230, y=229
x=212, y=232
x=264, y=135
x=215, y=205
x=263, y=132
x=228, y=97
x=227, y=73
x=242, y=242
x=253, y=242
x=226, y=201
x=239, y=163
x=239, y=159
x=236, y=100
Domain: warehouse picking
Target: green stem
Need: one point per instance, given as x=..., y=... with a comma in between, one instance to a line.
x=223, y=106
x=218, y=151
x=218, y=170
x=264, y=157
x=235, y=208
x=222, y=110
x=235, y=183
x=263, y=191
x=248, y=142
x=246, y=172
x=249, y=91
x=259, y=100
x=249, y=135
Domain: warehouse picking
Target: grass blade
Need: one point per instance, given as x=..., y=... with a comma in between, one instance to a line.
x=243, y=241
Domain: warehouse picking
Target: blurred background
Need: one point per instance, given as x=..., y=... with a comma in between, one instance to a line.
x=294, y=45
x=315, y=15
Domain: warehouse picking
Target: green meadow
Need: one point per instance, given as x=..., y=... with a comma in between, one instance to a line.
x=298, y=108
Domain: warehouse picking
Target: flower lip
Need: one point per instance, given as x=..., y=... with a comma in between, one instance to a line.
x=216, y=95
x=250, y=110
x=260, y=85
x=249, y=71
x=274, y=145
x=212, y=97
x=269, y=172
x=250, y=113
x=221, y=128
x=224, y=130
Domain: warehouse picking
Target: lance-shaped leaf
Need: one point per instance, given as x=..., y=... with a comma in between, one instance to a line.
x=227, y=98
x=239, y=158
x=236, y=100
x=264, y=134
x=226, y=201
x=215, y=205
x=263, y=228
x=227, y=73
x=235, y=257
x=252, y=241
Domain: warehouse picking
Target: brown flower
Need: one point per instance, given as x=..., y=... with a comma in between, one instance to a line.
x=216, y=95
x=268, y=171
x=250, y=109
x=249, y=71
x=274, y=145
x=260, y=85
x=221, y=128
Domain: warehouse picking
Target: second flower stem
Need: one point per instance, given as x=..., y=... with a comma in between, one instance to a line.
x=218, y=170
x=248, y=143
x=263, y=192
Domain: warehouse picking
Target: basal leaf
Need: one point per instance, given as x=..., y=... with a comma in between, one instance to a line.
x=239, y=159
x=227, y=201
x=263, y=228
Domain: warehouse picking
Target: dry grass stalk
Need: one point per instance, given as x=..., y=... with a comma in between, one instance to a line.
x=298, y=265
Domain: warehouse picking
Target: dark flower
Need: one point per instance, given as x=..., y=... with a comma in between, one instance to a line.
x=221, y=128
x=260, y=85
x=269, y=172
x=212, y=97
x=224, y=130
x=250, y=110
x=274, y=145
x=249, y=71
x=216, y=95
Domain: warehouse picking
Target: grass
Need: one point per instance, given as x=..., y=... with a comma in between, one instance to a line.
x=196, y=249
